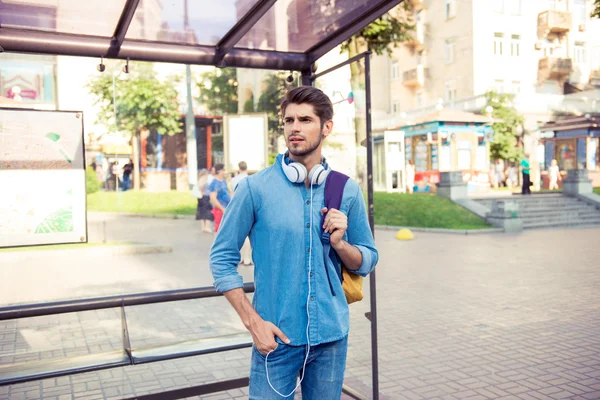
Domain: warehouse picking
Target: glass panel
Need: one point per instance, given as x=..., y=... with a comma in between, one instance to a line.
x=92, y=17
x=297, y=25
x=208, y=21
x=345, y=149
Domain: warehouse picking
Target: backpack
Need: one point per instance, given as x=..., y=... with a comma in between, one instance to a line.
x=334, y=191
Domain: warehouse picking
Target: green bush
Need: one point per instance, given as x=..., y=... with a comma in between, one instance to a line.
x=92, y=185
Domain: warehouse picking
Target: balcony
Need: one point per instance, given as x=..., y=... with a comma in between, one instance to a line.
x=553, y=22
x=415, y=78
x=550, y=68
x=417, y=40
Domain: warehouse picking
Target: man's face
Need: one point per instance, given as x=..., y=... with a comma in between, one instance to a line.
x=220, y=174
x=302, y=128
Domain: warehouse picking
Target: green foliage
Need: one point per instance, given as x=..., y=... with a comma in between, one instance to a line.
x=596, y=11
x=219, y=91
x=249, y=106
x=384, y=33
x=423, y=210
x=92, y=185
x=142, y=101
x=504, y=146
x=272, y=158
x=275, y=87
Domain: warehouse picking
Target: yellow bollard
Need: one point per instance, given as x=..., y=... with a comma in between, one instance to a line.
x=404, y=234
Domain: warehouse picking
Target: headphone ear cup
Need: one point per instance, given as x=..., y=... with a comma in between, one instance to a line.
x=317, y=175
x=300, y=172
x=295, y=172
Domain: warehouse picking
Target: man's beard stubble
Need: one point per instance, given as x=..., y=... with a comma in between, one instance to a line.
x=305, y=152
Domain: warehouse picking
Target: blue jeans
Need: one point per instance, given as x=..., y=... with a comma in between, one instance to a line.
x=324, y=374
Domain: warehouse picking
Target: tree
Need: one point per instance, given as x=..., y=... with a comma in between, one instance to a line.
x=143, y=103
x=274, y=88
x=218, y=91
x=596, y=11
x=506, y=131
x=382, y=35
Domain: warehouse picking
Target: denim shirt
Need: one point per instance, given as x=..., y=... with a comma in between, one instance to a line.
x=276, y=215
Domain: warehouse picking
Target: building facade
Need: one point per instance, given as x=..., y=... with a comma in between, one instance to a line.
x=541, y=51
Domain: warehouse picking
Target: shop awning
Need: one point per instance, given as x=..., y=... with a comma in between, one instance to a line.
x=265, y=34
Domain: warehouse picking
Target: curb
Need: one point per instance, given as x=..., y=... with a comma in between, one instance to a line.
x=442, y=230
x=161, y=216
x=384, y=227
x=115, y=250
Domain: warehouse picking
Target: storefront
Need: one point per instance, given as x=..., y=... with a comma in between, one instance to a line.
x=448, y=140
x=575, y=144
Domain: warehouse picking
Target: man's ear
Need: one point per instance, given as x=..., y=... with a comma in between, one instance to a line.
x=327, y=128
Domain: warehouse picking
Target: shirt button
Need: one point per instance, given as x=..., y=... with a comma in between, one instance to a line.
x=311, y=274
x=312, y=299
x=309, y=249
x=308, y=225
x=307, y=202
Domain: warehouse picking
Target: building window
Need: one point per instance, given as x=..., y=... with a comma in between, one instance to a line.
x=515, y=45
x=498, y=38
x=395, y=107
x=515, y=7
x=450, y=9
x=579, y=53
x=395, y=70
x=499, y=6
x=451, y=91
x=499, y=85
x=516, y=87
x=450, y=50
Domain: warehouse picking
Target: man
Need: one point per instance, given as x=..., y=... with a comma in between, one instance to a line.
x=219, y=194
x=242, y=173
x=526, y=188
x=295, y=283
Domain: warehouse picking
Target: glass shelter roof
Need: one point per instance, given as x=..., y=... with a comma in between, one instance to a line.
x=267, y=34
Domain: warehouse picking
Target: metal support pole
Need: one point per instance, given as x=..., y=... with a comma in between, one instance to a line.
x=190, y=120
x=306, y=77
x=372, y=283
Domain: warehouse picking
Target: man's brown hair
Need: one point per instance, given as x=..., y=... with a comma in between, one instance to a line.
x=309, y=95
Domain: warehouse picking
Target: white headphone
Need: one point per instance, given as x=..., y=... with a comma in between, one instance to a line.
x=296, y=172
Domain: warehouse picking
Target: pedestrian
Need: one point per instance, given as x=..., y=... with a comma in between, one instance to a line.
x=242, y=173
x=299, y=317
x=410, y=176
x=127, y=170
x=525, y=170
x=554, y=174
x=511, y=177
x=499, y=167
x=219, y=194
x=203, y=210
x=246, y=252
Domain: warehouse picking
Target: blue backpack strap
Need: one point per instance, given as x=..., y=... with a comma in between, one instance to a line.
x=334, y=192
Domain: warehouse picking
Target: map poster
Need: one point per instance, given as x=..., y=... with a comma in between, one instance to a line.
x=42, y=178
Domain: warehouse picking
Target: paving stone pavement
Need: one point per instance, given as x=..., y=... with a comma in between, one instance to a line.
x=460, y=317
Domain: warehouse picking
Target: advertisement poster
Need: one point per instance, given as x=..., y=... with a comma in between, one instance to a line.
x=42, y=176
x=246, y=139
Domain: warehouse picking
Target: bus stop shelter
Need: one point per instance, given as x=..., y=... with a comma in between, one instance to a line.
x=263, y=34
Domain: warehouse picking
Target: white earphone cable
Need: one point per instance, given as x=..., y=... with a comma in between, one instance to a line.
x=310, y=255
